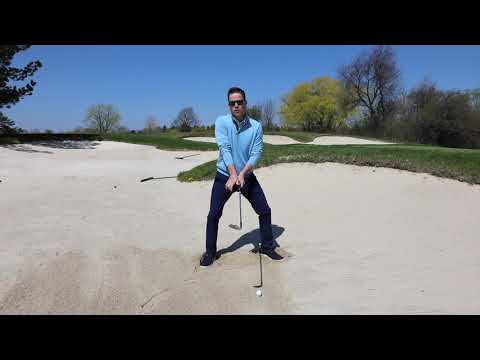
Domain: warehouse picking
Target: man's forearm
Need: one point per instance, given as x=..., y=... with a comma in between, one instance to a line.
x=246, y=169
x=232, y=171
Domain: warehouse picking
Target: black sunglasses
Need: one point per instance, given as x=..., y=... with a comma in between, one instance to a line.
x=239, y=102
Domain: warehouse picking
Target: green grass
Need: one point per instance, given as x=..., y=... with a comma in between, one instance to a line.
x=457, y=164
x=303, y=137
x=306, y=137
x=6, y=140
x=168, y=141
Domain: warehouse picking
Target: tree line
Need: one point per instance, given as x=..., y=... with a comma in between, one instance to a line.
x=366, y=98
x=105, y=118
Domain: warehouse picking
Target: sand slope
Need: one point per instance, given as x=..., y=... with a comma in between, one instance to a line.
x=344, y=140
x=269, y=139
x=358, y=240
x=321, y=140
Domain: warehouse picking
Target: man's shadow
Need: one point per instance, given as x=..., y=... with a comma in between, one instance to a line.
x=252, y=237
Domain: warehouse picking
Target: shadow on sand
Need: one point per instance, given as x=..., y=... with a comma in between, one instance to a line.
x=252, y=237
x=55, y=144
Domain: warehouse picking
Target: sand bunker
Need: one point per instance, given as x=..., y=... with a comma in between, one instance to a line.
x=344, y=140
x=269, y=139
x=82, y=235
x=322, y=140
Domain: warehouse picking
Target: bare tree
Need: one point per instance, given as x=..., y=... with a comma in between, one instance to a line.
x=255, y=112
x=475, y=99
x=186, y=119
x=102, y=118
x=150, y=124
x=373, y=81
x=268, y=112
x=122, y=129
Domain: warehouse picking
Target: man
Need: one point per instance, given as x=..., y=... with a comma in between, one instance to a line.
x=240, y=141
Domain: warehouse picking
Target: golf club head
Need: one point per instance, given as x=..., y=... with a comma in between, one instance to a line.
x=255, y=251
x=158, y=178
x=236, y=227
x=183, y=157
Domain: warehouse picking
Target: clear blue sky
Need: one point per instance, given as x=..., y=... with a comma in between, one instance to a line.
x=161, y=80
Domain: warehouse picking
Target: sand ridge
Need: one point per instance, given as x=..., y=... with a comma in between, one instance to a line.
x=321, y=140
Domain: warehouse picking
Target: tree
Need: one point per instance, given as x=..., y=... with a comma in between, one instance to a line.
x=255, y=112
x=268, y=112
x=10, y=94
x=186, y=119
x=445, y=118
x=423, y=111
x=317, y=105
x=457, y=124
x=76, y=130
x=475, y=99
x=7, y=126
x=373, y=81
x=150, y=124
x=122, y=129
x=102, y=118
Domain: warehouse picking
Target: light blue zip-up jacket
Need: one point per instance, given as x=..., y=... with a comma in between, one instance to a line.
x=238, y=147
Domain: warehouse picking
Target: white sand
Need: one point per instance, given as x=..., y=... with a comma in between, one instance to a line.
x=321, y=140
x=270, y=139
x=360, y=240
x=201, y=139
x=344, y=140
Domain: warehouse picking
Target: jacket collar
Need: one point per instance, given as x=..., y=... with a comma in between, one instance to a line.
x=245, y=124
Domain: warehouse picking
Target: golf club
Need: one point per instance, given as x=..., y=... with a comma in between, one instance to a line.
x=261, y=275
x=154, y=178
x=236, y=227
x=183, y=157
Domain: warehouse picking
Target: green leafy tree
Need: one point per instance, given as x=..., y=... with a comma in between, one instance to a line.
x=317, y=105
x=7, y=126
x=9, y=93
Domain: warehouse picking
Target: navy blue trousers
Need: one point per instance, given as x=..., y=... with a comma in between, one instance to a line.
x=254, y=194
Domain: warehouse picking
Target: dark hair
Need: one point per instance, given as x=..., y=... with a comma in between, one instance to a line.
x=236, y=90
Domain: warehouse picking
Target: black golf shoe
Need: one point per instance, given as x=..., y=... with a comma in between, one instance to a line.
x=270, y=253
x=207, y=259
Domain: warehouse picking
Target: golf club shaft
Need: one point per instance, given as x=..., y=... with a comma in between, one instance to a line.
x=183, y=157
x=261, y=272
x=240, y=204
x=156, y=178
